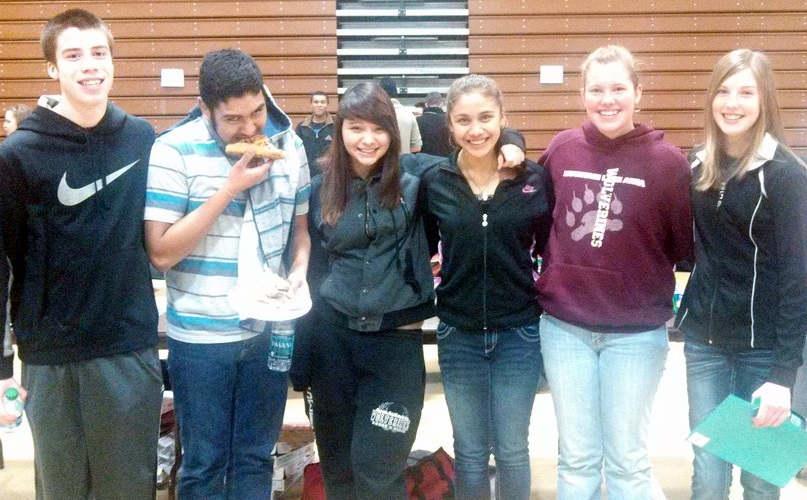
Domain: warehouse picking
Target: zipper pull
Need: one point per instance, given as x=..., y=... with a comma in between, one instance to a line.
x=484, y=220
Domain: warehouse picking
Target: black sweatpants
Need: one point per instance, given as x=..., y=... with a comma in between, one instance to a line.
x=367, y=399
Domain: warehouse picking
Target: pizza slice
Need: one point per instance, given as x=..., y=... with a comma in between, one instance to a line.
x=260, y=144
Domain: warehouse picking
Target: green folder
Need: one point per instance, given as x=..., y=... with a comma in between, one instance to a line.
x=775, y=454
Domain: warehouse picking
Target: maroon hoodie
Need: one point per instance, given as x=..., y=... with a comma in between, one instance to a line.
x=622, y=219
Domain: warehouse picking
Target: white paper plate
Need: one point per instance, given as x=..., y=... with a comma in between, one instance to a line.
x=246, y=306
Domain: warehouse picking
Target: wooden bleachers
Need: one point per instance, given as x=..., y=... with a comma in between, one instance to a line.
x=295, y=43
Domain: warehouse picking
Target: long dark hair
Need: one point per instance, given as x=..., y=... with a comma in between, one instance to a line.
x=364, y=101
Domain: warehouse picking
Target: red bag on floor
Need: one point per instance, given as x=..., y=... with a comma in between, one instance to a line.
x=431, y=478
x=313, y=486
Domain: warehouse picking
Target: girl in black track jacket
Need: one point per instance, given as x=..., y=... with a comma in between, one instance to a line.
x=489, y=221
x=743, y=312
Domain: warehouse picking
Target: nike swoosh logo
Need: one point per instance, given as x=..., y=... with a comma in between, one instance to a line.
x=73, y=196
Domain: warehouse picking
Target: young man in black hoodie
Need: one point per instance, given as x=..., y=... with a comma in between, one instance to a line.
x=316, y=130
x=72, y=187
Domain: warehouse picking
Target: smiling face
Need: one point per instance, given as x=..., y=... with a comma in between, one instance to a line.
x=476, y=122
x=610, y=97
x=83, y=68
x=237, y=118
x=736, y=108
x=365, y=143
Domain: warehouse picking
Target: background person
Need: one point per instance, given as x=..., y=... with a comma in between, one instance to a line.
x=316, y=130
x=622, y=219
x=743, y=311
x=72, y=185
x=205, y=214
x=407, y=123
x=433, y=125
x=489, y=222
x=14, y=115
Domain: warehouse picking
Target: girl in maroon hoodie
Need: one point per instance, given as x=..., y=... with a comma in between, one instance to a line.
x=622, y=219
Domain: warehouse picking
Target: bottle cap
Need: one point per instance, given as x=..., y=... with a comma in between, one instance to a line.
x=11, y=393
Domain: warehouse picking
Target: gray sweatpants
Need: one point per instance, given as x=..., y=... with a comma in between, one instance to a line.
x=95, y=426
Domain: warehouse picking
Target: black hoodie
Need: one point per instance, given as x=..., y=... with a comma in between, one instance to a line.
x=72, y=222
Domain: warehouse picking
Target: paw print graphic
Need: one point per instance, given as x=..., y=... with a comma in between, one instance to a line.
x=584, y=224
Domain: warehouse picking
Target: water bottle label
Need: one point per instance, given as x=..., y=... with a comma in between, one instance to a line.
x=282, y=346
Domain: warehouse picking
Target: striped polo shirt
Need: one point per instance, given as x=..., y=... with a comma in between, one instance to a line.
x=187, y=167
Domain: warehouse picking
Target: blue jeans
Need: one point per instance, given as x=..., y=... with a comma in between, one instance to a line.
x=713, y=374
x=490, y=381
x=230, y=409
x=602, y=385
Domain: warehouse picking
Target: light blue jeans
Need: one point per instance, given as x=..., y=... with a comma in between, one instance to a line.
x=490, y=380
x=713, y=374
x=602, y=385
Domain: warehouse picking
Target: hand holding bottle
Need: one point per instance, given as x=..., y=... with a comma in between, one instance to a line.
x=13, y=403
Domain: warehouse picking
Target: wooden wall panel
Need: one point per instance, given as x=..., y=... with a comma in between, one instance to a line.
x=167, y=9
x=677, y=42
x=293, y=42
x=644, y=7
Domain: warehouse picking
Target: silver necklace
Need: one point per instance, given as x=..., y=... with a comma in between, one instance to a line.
x=482, y=193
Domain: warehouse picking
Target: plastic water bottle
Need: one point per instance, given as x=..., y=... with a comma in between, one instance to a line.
x=282, y=346
x=798, y=420
x=12, y=405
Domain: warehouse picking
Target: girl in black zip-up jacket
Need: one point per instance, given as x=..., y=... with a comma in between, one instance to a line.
x=489, y=223
x=744, y=311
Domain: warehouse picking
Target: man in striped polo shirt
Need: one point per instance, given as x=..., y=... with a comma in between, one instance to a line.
x=201, y=207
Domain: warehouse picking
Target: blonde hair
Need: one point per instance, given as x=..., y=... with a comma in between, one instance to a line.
x=612, y=53
x=768, y=122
